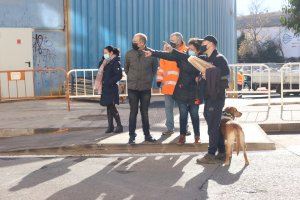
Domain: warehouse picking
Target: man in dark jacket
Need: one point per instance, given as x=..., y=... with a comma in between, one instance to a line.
x=214, y=103
x=140, y=73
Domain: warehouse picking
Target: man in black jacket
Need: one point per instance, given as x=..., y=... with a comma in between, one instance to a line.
x=140, y=73
x=214, y=103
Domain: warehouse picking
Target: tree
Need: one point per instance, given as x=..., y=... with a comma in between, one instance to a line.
x=240, y=39
x=292, y=18
x=253, y=46
x=256, y=22
x=270, y=52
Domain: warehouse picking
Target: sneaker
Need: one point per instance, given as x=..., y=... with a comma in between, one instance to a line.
x=150, y=139
x=221, y=156
x=208, y=159
x=167, y=133
x=188, y=133
x=132, y=139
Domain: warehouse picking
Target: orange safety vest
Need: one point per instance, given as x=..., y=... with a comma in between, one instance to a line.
x=168, y=74
x=240, y=78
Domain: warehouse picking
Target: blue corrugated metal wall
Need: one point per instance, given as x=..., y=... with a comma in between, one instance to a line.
x=98, y=23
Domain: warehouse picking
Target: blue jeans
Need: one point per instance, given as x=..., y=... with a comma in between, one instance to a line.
x=169, y=106
x=212, y=114
x=184, y=110
x=136, y=97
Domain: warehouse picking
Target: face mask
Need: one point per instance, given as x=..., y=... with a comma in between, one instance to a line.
x=191, y=53
x=173, y=44
x=106, y=56
x=203, y=48
x=135, y=46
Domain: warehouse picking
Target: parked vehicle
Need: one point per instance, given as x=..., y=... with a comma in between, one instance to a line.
x=259, y=79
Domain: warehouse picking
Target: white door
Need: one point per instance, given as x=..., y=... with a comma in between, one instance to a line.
x=15, y=61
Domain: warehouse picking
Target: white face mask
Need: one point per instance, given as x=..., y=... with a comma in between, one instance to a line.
x=191, y=53
x=106, y=56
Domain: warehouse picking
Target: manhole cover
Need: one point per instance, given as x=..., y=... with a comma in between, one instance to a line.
x=93, y=117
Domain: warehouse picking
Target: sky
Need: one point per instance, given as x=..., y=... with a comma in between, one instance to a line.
x=269, y=5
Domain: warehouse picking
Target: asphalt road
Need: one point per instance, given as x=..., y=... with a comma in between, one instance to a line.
x=270, y=175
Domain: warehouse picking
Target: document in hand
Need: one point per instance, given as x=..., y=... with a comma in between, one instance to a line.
x=200, y=64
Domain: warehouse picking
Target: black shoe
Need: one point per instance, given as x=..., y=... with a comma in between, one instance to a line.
x=208, y=159
x=132, y=138
x=188, y=133
x=221, y=156
x=118, y=129
x=131, y=141
x=150, y=139
x=109, y=130
x=167, y=133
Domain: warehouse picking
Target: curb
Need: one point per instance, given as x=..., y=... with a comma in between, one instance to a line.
x=96, y=149
x=281, y=127
x=11, y=132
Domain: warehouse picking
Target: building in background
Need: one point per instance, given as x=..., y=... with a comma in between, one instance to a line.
x=72, y=33
x=272, y=29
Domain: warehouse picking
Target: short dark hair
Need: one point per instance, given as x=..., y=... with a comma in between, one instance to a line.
x=196, y=42
x=212, y=39
x=113, y=49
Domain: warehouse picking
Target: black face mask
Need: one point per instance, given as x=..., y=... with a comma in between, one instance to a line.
x=203, y=48
x=174, y=45
x=135, y=46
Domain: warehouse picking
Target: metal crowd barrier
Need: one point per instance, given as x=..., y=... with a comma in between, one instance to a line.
x=40, y=83
x=80, y=84
x=257, y=79
x=290, y=80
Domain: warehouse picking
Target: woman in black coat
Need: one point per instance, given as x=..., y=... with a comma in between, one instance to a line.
x=109, y=74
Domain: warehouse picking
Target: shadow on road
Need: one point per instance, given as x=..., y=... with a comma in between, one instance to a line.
x=47, y=173
x=160, y=177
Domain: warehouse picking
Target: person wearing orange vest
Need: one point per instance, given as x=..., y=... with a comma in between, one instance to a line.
x=167, y=77
x=240, y=80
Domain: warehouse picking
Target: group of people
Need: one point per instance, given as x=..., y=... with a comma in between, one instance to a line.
x=180, y=81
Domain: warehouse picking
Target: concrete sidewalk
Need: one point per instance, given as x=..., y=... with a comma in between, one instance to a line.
x=51, y=126
x=48, y=115
x=95, y=142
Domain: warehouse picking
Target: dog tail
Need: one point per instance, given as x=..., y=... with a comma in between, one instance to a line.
x=238, y=141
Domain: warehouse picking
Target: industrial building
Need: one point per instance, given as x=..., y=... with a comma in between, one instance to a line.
x=71, y=34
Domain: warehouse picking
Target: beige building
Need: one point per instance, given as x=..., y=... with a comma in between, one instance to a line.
x=269, y=27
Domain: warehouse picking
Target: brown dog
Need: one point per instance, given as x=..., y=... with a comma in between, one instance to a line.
x=233, y=132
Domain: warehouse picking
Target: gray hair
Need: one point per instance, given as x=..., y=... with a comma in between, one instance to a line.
x=178, y=35
x=142, y=37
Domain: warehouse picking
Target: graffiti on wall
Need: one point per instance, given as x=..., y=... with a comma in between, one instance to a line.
x=43, y=50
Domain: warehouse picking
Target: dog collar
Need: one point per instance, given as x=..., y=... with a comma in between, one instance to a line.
x=226, y=115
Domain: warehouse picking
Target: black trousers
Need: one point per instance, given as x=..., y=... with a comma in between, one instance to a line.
x=135, y=98
x=213, y=114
